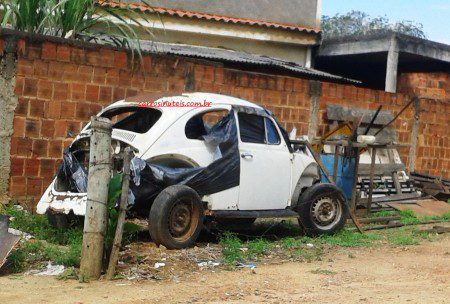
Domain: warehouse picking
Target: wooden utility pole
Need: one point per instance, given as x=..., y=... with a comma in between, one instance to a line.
x=113, y=258
x=96, y=218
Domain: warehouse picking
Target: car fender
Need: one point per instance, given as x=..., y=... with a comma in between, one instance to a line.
x=310, y=176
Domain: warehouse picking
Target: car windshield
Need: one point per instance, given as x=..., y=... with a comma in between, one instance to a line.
x=133, y=119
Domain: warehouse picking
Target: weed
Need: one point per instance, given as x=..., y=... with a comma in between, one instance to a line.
x=346, y=238
x=408, y=217
x=231, y=248
x=257, y=248
x=323, y=271
x=60, y=246
x=399, y=239
x=383, y=213
x=68, y=274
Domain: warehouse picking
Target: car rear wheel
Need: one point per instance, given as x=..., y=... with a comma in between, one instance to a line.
x=322, y=209
x=176, y=217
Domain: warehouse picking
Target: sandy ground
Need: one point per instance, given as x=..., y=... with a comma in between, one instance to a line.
x=412, y=274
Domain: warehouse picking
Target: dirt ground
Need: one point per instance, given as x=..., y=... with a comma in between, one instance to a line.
x=411, y=274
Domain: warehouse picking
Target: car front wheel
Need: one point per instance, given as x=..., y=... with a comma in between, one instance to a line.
x=176, y=217
x=322, y=209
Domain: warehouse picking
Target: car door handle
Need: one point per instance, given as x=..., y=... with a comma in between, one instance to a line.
x=246, y=155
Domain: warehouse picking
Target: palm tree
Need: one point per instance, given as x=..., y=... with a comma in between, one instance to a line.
x=77, y=19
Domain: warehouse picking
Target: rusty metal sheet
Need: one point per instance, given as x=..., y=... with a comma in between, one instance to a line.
x=423, y=207
x=7, y=240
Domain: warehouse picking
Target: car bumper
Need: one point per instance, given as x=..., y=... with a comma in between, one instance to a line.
x=62, y=202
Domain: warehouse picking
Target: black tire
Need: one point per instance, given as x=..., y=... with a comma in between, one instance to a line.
x=176, y=217
x=235, y=222
x=322, y=209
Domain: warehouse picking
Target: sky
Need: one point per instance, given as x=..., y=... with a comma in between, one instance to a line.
x=433, y=14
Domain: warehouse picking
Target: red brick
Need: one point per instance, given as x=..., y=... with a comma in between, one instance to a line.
x=33, y=51
x=34, y=186
x=30, y=87
x=78, y=56
x=17, y=166
x=105, y=94
x=60, y=91
x=37, y=108
x=55, y=148
x=92, y=92
x=48, y=50
x=18, y=186
x=85, y=73
x=73, y=128
x=48, y=167
x=32, y=166
x=68, y=109
x=40, y=68
x=24, y=67
x=19, y=127
x=118, y=93
x=52, y=109
x=56, y=70
x=32, y=128
x=78, y=91
x=63, y=53
x=99, y=76
x=47, y=128
x=21, y=146
x=40, y=147
x=18, y=90
x=120, y=60
x=22, y=106
x=45, y=89
x=82, y=111
x=61, y=128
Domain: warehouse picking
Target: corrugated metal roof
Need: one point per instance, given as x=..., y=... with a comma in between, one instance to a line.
x=224, y=55
x=213, y=17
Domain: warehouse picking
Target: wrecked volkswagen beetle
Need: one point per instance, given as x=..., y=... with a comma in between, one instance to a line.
x=229, y=161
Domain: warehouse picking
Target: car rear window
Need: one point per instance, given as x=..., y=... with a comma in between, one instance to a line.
x=133, y=119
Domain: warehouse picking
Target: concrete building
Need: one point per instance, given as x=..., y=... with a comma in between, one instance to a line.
x=378, y=60
x=284, y=29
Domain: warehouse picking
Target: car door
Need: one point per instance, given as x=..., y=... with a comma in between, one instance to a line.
x=265, y=175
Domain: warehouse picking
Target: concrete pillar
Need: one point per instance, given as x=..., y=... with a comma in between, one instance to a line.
x=315, y=91
x=392, y=66
x=96, y=218
x=8, y=104
x=414, y=135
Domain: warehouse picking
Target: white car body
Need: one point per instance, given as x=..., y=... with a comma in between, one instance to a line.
x=271, y=176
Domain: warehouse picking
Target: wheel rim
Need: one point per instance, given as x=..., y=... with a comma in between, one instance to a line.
x=326, y=212
x=183, y=219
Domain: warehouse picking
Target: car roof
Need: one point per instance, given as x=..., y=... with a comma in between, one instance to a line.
x=213, y=99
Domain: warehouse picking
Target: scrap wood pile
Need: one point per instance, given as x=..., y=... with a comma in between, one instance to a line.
x=375, y=172
x=437, y=187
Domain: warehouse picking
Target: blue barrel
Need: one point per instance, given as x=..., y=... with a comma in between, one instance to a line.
x=345, y=170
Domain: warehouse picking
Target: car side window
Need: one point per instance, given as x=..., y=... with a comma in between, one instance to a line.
x=198, y=125
x=272, y=136
x=252, y=128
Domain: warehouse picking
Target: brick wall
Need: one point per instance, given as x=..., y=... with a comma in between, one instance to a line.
x=61, y=86
x=433, y=144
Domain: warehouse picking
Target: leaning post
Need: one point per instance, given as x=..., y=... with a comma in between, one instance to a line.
x=95, y=222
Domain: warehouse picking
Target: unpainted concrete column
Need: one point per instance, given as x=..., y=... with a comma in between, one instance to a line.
x=414, y=135
x=8, y=103
x=315, y=91
x=392, y=66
